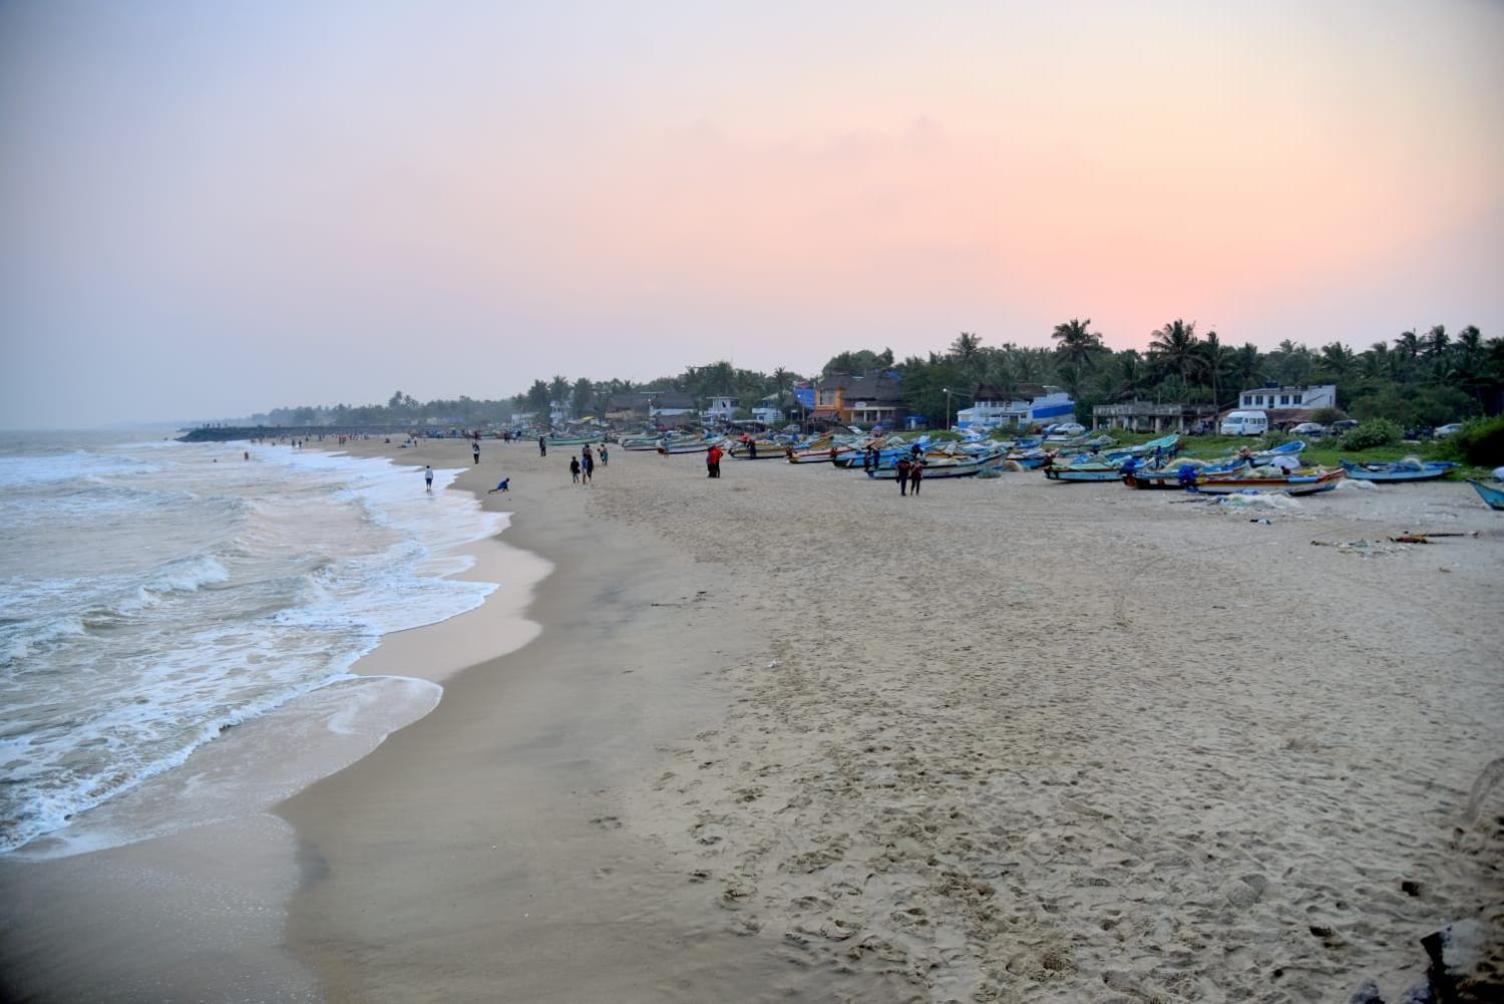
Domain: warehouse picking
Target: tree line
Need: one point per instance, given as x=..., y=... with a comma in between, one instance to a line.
x=1413, y=379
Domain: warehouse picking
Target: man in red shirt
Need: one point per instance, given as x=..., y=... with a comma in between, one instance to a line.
x=713, y=462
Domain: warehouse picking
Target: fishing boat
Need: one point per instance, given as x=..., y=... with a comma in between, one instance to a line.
x=1401, y=470
x=1492, y=495
x=1263, y=458
x=575, y=440
x=1163, y=478
x=1308, y=481
x=956, y=468
x=1084, y=472
x=767, y=449
x=1031, y=459
x=641, y=442
x=672, y=446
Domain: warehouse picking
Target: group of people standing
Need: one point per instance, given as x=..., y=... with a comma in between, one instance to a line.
x=910, y=474
x=582, y=468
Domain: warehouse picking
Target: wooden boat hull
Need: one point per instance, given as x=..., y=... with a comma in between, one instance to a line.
x=1067, y=474
x=1387, y=473
x=1154, y=480
x=1491, y=496
x=1294, y=484
x=675, y=448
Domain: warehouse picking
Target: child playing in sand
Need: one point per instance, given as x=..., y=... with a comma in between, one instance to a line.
x=501, y=486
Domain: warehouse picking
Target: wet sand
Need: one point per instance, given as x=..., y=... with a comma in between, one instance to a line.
x=791, y=735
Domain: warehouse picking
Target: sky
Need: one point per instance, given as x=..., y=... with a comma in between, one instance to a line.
x=210, y=209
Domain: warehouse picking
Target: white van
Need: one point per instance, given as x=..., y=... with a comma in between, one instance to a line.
x=1245, y=423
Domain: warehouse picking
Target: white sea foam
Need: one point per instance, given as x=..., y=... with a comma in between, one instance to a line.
x=151, y=604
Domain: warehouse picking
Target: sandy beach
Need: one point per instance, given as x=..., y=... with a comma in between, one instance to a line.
x=791, y=735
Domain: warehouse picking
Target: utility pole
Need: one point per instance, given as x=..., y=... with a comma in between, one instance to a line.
x=947, y=408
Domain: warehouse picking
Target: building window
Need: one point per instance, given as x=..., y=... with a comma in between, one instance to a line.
x=1296, y=398
x=1284, y=399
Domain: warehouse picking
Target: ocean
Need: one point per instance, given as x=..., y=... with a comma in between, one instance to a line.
x=155, y=593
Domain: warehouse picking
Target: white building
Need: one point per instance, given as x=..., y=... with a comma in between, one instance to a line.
x=767, y=416
x=722, y=408
x=1033, y=404
x=1304, y=398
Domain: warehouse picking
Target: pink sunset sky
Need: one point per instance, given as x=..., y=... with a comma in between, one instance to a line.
x=212, y=209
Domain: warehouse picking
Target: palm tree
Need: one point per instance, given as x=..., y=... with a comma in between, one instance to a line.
x=965, y=347
x=1176, y=345
x=1337, y=360
x=1076, y=346
x=1217, y=360
x=1436, y=341
x=1130, y=376
x=1378, y=361
x=1407, y=346
x=1248, y=366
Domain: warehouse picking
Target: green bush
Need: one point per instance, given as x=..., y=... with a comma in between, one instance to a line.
x=1376, y=432
x=1479, y=442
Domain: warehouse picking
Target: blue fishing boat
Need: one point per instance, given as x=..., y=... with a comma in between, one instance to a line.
x=957, y=468
x=1493, y=495
x=1400, y=470
x=1263, y=458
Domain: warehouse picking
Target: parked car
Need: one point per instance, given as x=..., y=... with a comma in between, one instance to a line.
x=1450, y=429
x=1338, y=428
x=1244, y=423
x=1067, y=429
x=1310, y=430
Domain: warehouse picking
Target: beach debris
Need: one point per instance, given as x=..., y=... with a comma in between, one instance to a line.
x=1362, y=547
x=1462, y=969
x=1456, y=953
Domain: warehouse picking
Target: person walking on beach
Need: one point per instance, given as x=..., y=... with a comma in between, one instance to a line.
x=916, y=474
x=542, y=446
x=713, y=462
x=604, y=457
x=903, y=475
x=588, y=467
x=428, y=477
x=475, y=450
x=574, y=469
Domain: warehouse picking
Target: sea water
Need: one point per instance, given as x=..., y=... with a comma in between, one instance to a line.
x=155, y=593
